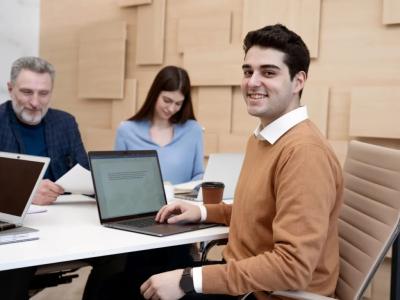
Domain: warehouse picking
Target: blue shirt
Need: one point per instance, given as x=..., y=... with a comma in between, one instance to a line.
x=34, y=141
x=33, y=138
x=181, y=160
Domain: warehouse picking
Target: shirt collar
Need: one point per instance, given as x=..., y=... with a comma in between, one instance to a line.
x=273, y=131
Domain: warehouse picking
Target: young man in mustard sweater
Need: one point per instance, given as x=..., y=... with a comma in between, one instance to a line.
x=283, y=223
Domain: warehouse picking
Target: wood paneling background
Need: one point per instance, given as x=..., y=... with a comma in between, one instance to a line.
x=352, y=89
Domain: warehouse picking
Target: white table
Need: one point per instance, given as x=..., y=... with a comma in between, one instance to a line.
x=70, y=229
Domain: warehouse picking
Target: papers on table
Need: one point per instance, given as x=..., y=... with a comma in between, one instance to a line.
x=34, y=209
x=18, y=234
x=186, y=187
x=78, y=180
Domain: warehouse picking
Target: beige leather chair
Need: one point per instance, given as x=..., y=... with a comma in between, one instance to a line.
x=369, y=221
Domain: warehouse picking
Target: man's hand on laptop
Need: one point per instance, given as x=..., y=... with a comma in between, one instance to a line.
x=179, y=212
x=47, y=192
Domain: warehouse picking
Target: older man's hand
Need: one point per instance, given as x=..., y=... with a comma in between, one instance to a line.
x=163, y=286
x=47, y=192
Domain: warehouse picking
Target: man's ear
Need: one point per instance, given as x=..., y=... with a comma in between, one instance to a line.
x=299, y=81
x=9, y=87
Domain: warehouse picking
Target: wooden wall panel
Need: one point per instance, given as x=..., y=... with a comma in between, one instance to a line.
x=102, y=60
x=98, y=116
x=127, y=3
x=302, y=16
x=150, y=33
x=214, y=66
x=145, y=78
x=340, y=148
x=391, y=12
x=232, y=143
x=204, y=30
x=61, y=49
x=98, y=139
x=210, y=143
x=339, y=113
x=195, y=100
x=375, y=112
x=242, y=122
x=317, y=101
x=124, y=108
x=214, y=109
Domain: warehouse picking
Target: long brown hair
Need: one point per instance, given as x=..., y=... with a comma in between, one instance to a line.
x=169, y=78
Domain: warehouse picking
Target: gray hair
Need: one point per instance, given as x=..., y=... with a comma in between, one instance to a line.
x=32, y=63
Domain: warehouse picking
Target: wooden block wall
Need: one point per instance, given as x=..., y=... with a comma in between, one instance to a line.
x=302, y=16
x=225, y=63
x=391, y=12
x=150, y=33
x=212, y=29
x=317, y=101
x=126, y=107
x=352, y=87
x=375, y=111
x=101, y=60
x=127, y=3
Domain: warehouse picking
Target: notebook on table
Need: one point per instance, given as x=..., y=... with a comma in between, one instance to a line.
x=20, y=176
x=129, y=192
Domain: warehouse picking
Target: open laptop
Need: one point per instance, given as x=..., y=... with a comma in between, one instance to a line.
x=129, y=192
x=20, y=176
x=223, y=167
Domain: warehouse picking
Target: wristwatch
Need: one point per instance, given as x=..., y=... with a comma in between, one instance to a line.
x=186, y=282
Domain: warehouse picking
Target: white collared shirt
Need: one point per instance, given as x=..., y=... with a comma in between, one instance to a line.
x=273, y=131
x=270, y=133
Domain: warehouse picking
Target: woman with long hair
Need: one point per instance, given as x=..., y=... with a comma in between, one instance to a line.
x=166, y=123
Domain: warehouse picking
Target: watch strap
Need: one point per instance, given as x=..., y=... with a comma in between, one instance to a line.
x=186, y=282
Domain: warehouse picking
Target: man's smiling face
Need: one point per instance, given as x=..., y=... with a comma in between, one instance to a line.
x=266, y=86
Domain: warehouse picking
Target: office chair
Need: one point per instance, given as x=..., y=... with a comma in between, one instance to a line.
x=369, y=219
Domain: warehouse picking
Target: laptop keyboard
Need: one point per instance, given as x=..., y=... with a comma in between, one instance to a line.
x=145, y=222
x=6, y=225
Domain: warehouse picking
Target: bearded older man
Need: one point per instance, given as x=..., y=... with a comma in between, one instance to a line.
x=29, y=126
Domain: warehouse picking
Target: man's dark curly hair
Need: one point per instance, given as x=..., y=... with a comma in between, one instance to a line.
x=297, y=56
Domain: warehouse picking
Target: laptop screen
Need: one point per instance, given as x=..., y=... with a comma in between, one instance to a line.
x=19, y=176
x=127, y=183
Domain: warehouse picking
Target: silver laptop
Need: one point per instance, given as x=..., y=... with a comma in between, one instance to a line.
x=20, y=176
x=129, y=192
x=223, y=167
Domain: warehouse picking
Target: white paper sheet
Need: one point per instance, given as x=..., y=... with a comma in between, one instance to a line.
x=186, y=187
x=78, y=180
x=35, y=209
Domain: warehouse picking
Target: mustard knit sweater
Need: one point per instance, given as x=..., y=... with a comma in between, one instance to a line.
x=283, y=223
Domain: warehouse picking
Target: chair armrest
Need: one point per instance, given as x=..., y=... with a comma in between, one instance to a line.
x=301, y=295
x=210, y=245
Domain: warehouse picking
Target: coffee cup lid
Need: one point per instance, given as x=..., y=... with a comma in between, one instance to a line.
x=213, y=184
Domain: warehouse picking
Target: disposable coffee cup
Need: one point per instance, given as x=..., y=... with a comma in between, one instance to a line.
x=212, y=192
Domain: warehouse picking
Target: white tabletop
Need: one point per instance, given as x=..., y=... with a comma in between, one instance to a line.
x=70, y=230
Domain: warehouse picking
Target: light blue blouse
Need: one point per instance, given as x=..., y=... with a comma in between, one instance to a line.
x=181, y=160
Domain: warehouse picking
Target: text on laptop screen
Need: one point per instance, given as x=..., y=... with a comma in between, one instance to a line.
x=17, y=180
x=127, y=185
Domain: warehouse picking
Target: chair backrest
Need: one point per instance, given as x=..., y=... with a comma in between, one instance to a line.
x=369, y=220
